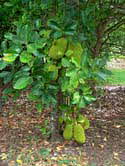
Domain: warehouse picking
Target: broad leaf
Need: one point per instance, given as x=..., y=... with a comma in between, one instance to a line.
x=52, y=24
x=25, y=57
x=23, y=82
x=9, y=57
x=2, y=64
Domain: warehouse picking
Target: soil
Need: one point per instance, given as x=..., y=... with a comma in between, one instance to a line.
x=22, y=142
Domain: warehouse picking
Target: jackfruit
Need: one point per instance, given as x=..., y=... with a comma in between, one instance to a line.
x=75, y=53
x=75, y=48
x=68, y=132
x=79, y=133
x=58, y=48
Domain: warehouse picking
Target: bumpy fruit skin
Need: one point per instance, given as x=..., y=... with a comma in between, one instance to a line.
x=79, y=133
x=68, y=132
x=76, y=49
x=58, y=48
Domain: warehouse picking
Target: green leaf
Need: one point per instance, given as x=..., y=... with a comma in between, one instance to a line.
x=45, y=33
x=21, y=73
x=81, y=119
x=53, y=75
x=74, y=82
x=76, y=60
x=102, y=75
x=61, y=119
x=3, y=64
x=64, y=84
x=8, y=4
x=64, y=107
x=82, y=103
x=38, y=23
x=71, y=26
x=9, y=57
x=22, y=83
x=52, y=67
x=69, y=32
x=9, y=36
x=25, y=68
x=4, y=74
x=32, y=48
x=65, y=62
x=52, y=24
x=86, y=123
x=76, y=98
x=89, y=98
x=69, y=53
x=71, y=73
x=32, y=97
x=39, y=107
x=57, y=35
x=25, y=57
x=8, y=77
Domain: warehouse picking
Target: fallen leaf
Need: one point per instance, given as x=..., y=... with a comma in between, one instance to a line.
x=19, y=161
x=105, y=139
x=3, y=156
x=102, y=146
x=115, y=153
x=117, y=126
x=59, y=148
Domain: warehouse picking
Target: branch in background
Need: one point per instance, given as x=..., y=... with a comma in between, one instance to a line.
x=115, y=27
x=115, y=45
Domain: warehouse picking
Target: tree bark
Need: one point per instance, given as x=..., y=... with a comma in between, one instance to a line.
x=55, y=135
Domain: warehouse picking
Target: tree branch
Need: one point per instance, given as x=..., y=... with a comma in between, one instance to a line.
x=114, y=27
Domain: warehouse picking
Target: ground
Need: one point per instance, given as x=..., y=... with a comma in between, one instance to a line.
x=24, y=140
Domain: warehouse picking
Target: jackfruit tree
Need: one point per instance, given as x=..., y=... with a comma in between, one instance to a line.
x=57, y=51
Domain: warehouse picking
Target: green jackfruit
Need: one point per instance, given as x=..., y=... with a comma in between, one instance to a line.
x=79, y=133
x=76, y=49
x=58, y=48
x=68, y=132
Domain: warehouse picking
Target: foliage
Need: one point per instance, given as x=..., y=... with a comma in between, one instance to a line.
x=55, y=50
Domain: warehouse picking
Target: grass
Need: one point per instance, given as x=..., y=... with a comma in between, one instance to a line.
x=117, y=57
x=117, y=77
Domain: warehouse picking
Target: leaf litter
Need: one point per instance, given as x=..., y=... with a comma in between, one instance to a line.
x=23, y=143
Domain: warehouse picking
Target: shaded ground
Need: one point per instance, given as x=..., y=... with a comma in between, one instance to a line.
x=22, y=141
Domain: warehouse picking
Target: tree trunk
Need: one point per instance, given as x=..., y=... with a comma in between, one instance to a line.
x=55, y=135
x=1, y=102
